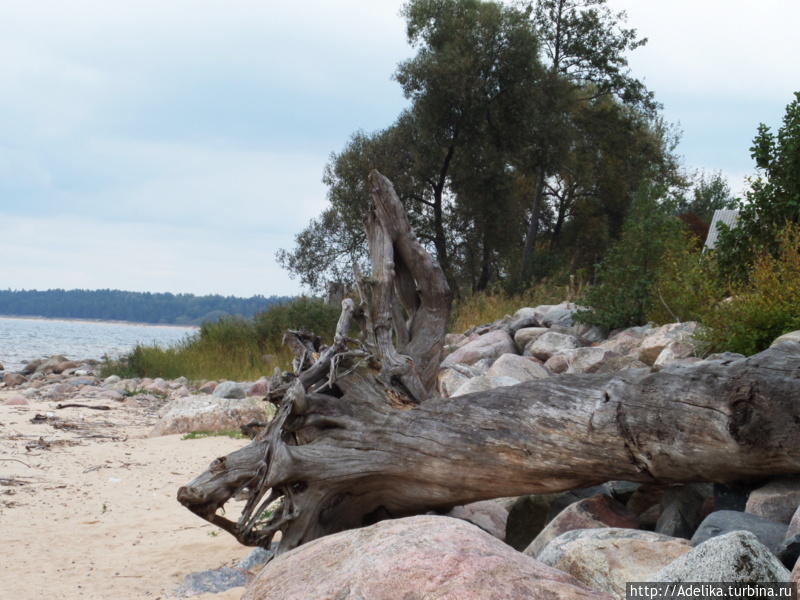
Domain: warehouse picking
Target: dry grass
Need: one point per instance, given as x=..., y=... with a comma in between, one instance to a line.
x=486, y=307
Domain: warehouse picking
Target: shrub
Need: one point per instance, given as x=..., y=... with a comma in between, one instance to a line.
x=627, y=274
x=686, y=286
x=766, y=306
x=231, y=348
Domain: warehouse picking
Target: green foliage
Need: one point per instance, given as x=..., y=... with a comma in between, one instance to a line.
x=766, y=306
x=232, y=348
x=686, y=284
x=772, y=200
x=626, y=276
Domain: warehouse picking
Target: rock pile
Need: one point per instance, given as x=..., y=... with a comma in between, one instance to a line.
x=183, y=406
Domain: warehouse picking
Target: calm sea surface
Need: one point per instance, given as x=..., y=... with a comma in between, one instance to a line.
x=25, y=339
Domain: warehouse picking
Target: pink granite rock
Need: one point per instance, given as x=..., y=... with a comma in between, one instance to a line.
x=590, y=513
x=424, y=557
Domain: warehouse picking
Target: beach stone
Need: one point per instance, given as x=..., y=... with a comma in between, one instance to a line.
x=259, y=388
x=112, y=379
x=2, y=368
x=589, y=513
x=111, y=395
x=487, y=514
x=673, y=352
x=13, y=379
x=488, y=346
x=661, y=337
x=483, y=383
x=792, y=336
x=557, y=364
x=66, y=365
x=527, y=516
x=777, y=501
x=550, y=315
x=212, y=581
x=49, y=365
x=430, y=557
x=448, y=380
x=31, y=366
x=565, y=499
x=526, y=335
x=551, y=343
x=208, y=387
x=607, y=559
x=454, y=339
x=178, y=382
x=517, y=367
x=14, y=400
x=736, y=557
x=681, y=511
x=587, y=360
x=625, y=341
x=209, y=413
x=229, y=389
x=722, y=522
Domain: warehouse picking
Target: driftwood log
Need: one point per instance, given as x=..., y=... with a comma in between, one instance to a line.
x=360, y=436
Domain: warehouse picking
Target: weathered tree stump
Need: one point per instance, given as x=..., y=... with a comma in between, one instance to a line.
x=359, y=435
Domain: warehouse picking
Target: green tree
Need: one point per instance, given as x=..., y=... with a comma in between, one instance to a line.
x=772, y=200
x=584, y=45
x=624, y=292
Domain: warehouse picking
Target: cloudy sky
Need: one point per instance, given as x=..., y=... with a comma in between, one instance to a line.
x=176, y=145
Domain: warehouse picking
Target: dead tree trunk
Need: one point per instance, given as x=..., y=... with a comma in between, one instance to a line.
x=357, y=437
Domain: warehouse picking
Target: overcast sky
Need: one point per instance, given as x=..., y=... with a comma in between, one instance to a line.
x=176, y=145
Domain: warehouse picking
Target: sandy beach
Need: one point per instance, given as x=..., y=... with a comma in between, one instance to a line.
x=90, y=511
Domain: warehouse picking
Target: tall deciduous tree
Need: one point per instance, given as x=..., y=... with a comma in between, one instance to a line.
x=773, y=197
x=585, y=45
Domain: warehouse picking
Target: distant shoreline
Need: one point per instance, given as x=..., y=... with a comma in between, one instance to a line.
x=114, y=322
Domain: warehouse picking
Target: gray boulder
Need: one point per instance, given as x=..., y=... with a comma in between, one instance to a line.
x=526, y=335
x=207, y=413
x=488, y=346
x=789, y=551
x=661, y=337
x=229, y=389
x=487, y=514
x=777, y=500
x=723, y=522
x=551, y=343
x=607, y=559
x=792, y=336
x=483, y=383
x=736, y=557
x=517, y=367
x=681, y=511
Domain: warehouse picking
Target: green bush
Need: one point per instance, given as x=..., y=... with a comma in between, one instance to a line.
x=231, y=348
x=311, y=314
x=623, y=294
x=766, y=306
x=686, y=285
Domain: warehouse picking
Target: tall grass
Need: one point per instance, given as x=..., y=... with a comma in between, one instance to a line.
x=231, y=348
x=486, y=307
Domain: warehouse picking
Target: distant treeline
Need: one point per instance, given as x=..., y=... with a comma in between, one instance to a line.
x=142, y=307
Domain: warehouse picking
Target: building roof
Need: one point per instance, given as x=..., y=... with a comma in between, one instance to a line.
x=728, y=217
